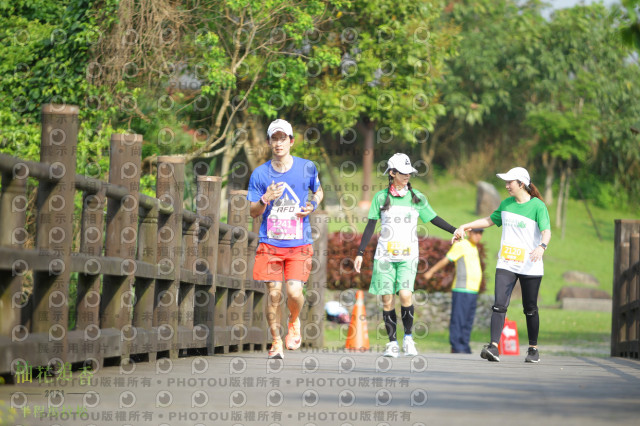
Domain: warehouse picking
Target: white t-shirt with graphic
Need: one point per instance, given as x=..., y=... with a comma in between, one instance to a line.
x=522, y=226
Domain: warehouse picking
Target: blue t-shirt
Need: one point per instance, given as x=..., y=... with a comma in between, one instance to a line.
x=280, y=227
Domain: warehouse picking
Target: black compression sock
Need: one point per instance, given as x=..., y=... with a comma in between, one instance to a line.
x=407, y=319
x=390, y=321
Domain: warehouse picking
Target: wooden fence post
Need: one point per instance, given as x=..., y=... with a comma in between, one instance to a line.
x=13, y=217
x=91, y=242
x=169, y=189
x=55, y=204
x=121, y=238
x=222, y=328
x=208, y=205
x=145, y=287
x=257, y=319
x=186, y=297
x=625, y=318
x=238, y=214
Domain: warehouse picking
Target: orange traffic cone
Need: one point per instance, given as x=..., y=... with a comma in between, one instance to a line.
x=508, y=344
x=358, y=334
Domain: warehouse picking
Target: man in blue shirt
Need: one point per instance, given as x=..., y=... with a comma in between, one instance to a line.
x=279, y=192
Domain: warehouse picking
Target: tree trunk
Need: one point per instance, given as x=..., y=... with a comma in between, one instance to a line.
x=233, y=147
x=334, y=180
x=550, y=165
x=442, y=135
x=368, y=129
x=428, y=148
x=255, y=148
x=565, y=202
x=561, y=192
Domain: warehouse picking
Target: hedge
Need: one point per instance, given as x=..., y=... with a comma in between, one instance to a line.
x=343, y=248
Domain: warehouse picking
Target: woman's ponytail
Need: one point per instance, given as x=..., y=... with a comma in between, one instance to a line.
x=533, y=191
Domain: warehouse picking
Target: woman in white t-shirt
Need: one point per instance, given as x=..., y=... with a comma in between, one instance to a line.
x=525, y=235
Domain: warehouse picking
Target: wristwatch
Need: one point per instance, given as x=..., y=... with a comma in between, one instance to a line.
x=543, y=245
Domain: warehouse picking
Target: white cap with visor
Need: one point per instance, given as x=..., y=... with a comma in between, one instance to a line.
x=401, y=163
x=517, y=173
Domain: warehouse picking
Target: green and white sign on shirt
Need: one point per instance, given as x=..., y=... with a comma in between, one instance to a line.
x=398, y=241
x=522, y=226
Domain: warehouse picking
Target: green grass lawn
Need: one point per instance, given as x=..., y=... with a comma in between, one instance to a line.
x=576, y=333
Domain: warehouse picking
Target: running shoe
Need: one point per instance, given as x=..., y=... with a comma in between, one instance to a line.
x=391, y=349
x=532, y=355
x=293, y=339
x=276, y=351
x=409, y=346
x=490, y=352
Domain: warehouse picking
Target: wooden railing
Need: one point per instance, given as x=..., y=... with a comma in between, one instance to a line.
x=625, y=327
x=153, y=280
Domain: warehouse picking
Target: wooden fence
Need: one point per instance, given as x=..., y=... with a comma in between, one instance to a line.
x=625, y=327
x=153, y=280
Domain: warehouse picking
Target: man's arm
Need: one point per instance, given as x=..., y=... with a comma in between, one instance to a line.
x=319, y=195
x=256, y=209
x=312, y=203
x=274, y=191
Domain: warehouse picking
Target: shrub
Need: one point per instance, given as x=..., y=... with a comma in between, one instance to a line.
x=343, y=248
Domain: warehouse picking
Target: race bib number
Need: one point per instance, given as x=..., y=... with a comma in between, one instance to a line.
x=284, y=229
x=282, y=223
x=515, y=254
x=398, y=249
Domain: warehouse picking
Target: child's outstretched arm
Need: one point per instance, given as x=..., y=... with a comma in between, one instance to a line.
x=435, y=268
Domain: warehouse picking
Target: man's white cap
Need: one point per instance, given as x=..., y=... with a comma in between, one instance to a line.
x=279, y=125
x=401, y=163
x=517, y=173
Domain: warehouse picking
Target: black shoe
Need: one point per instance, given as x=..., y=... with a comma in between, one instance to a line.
x=532, y=355
x=490, y=352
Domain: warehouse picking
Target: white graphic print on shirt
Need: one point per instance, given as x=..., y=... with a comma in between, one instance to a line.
x=398, y=236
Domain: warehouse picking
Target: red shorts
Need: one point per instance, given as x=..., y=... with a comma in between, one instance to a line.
x=272, y=261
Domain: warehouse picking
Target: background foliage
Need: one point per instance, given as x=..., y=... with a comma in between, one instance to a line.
x=460, y=84
x=343, y=248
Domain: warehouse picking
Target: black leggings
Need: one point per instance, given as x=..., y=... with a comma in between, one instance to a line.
x=530, y=285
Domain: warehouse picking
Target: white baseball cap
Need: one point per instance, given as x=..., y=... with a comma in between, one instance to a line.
x=279, y=125
x=401, y=163
x=517, y=173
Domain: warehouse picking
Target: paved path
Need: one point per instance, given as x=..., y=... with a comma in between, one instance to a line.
x=341, y=388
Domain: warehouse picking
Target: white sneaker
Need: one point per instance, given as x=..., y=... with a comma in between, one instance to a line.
x=409, y=346
x=391, y=349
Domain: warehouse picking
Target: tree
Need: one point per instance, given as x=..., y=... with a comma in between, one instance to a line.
x=486, y=86
x=392, y=54
x=516, y=68
x=631, y=31
x=585, y=75
x=246, y=57
x=45, y=48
